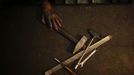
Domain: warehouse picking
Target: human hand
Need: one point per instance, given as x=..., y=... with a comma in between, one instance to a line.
x=52, y=19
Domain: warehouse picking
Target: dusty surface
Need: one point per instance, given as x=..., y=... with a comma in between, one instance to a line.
x=29, y=47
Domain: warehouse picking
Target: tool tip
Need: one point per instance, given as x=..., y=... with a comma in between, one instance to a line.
x=76, y=67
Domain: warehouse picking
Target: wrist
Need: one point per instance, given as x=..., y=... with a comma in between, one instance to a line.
x=47, y=7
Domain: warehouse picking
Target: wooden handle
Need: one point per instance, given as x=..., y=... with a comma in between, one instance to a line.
x=69, y=70
x=65, y=67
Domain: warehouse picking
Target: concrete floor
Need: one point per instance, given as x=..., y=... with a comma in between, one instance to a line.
x=28, y=47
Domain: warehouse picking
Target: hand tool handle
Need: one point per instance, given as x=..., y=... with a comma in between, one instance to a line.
x=66, y=67
x=67, y=35
x=69, y=70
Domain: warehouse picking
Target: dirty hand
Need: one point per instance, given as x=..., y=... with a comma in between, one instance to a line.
x=50, y=17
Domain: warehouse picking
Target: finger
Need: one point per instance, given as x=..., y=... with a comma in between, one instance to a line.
x=58, y=22
x=43, y=19
x=50, y=24
x=59, y=19
x=54, y=23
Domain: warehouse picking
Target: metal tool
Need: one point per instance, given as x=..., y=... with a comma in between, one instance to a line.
x=80, y=44
x=82, y=63
x=77, y=65
x=78, y=55
x=93, y=35
x=67, y=35
x=66, y=67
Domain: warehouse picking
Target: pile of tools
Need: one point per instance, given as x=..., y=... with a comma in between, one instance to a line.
x=84, y=47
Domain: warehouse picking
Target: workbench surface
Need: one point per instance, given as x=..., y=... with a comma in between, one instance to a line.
x=29, y=46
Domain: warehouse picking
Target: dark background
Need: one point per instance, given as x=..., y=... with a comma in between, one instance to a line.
x=28, y=47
